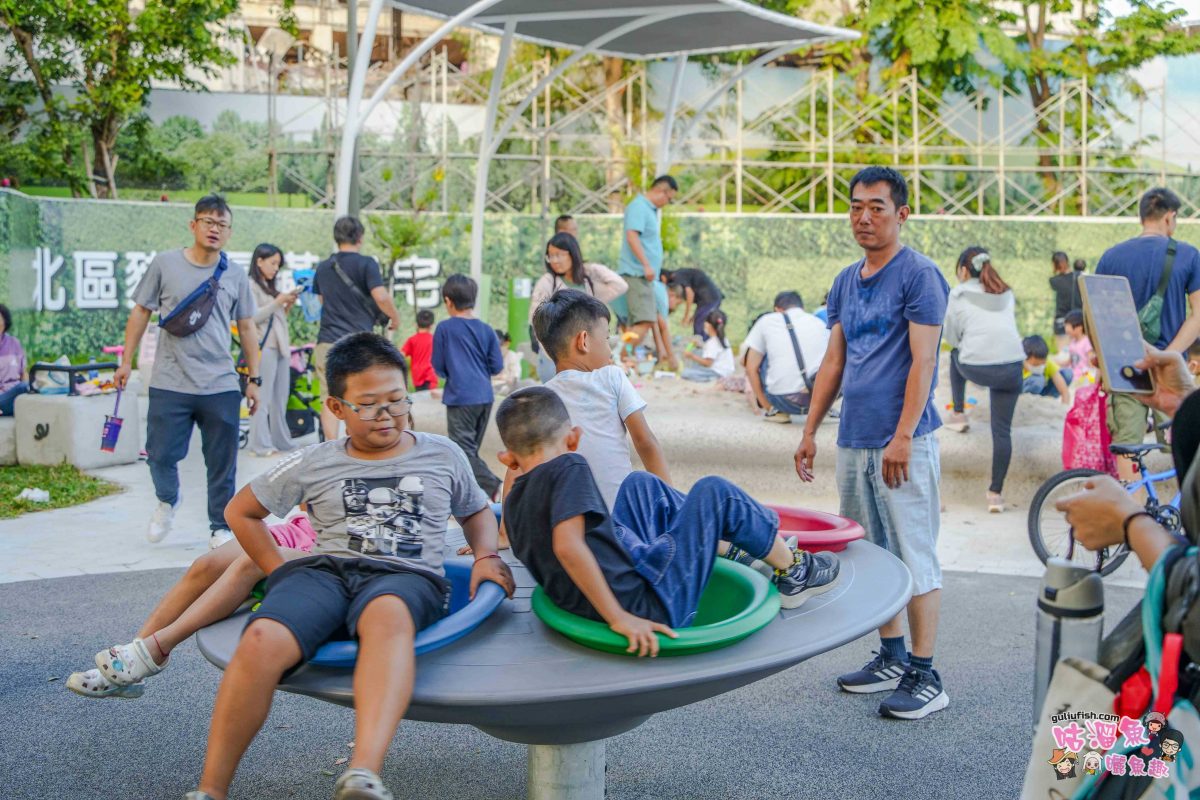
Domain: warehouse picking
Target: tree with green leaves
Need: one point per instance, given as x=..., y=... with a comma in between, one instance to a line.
x=82, y=70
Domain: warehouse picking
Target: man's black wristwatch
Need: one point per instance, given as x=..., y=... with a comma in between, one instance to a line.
x=256, y=381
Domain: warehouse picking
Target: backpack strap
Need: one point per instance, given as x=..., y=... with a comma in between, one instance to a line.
x=799, y=354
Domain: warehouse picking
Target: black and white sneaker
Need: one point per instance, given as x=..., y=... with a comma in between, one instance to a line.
x=811, y=574
x=735, y=553
x=919, y=694
x=881, y=674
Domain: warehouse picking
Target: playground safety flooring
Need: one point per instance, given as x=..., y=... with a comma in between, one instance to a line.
x=75, y=580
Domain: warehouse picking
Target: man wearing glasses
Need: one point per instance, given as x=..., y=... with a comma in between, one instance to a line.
x=194, y=382
x=641, y=262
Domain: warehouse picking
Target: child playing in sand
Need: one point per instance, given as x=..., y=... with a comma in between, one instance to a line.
x=643, y=567
x=509, y=379
x=1042, y=376
x=419, y=348
x=716, y=358
x=378, y=500
x=213, y=587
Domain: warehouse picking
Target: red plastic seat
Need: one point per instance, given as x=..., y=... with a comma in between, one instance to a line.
x=817, y=530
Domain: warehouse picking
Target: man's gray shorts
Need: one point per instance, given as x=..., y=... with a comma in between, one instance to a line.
x=906, y=520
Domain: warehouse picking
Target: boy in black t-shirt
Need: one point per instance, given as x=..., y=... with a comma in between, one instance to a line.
x=643, y=568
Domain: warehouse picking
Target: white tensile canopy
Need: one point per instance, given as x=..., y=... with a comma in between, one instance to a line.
x=641, y=30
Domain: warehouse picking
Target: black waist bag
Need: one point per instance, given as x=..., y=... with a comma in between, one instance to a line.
x=194, y=310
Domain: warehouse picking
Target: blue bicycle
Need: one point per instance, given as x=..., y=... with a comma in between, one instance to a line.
x=1050, y=534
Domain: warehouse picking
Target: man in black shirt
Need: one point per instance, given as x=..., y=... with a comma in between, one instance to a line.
x=645, y=567
x=698, y=289
x=353, y=299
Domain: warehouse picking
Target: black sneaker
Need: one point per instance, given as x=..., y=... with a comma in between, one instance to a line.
x=919, y=694
x=811, y=574
x=735, y=553
x=881, y=674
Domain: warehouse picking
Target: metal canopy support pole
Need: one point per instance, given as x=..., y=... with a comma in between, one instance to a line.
x=358, y=79
x=664, y=142
x=351, y=57
x=485, y=151
x=566, y=771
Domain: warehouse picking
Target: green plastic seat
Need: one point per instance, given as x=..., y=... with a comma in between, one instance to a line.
x=737, y=602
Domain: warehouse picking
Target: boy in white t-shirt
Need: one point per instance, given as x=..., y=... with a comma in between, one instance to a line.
x=573, y=327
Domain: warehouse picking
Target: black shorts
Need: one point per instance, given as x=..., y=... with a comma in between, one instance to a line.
x=1060, y=326
x=320, y=598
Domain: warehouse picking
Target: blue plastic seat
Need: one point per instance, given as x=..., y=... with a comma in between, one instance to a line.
x=464, y=617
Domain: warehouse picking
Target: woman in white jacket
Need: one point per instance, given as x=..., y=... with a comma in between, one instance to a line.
x=565, y=269
x=982, y=328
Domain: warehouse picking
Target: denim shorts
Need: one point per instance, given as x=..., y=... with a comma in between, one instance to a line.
x=320, y=598
x=904, y=521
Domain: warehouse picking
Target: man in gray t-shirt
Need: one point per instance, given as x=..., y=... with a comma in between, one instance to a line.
x=194, y=381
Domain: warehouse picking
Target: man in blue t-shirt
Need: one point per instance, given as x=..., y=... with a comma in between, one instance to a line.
x=466, y=354
x=641, y=261
x=885, y=319
x=1141, y=260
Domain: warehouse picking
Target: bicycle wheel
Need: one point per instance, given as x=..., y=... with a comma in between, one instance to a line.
x=1049, y=532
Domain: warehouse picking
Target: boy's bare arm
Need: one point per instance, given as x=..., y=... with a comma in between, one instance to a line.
x=480, y=530
x=647, y=446
x=245, y=516
x=584, y=571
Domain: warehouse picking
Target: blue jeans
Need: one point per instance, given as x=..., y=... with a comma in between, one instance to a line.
x=9, y=396
x=169, y=431
x=672, y=538
x=695, y=372
x=796, y=403
x=1037, y=384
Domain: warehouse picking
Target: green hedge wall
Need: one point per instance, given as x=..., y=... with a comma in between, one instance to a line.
x=750, y=257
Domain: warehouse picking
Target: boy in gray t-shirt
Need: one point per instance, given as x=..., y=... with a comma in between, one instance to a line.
x=379, y=501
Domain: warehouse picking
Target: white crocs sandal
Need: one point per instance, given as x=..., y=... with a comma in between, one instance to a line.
x=360, y=784
x=93, y=684
x=124, y=664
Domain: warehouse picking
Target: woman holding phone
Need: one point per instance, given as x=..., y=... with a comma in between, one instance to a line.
x=268, y=428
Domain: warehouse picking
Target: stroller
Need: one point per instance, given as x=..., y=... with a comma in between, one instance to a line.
x=303, y=410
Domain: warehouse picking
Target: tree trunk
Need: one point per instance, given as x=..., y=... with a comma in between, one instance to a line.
x=104, y=141
x=614, y=68
x=1039, y=96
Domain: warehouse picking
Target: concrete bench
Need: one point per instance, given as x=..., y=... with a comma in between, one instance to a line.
x=55, y=428
x=8, y=441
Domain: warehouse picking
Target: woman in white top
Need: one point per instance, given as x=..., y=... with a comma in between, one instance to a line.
x=565, y=269
x=268, y=428
x=982, y=328
x=716, y=358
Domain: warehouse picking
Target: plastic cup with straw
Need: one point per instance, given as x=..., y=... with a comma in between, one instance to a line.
x=112, y=428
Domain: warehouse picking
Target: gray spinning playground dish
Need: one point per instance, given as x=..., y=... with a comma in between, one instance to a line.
x=515, y=679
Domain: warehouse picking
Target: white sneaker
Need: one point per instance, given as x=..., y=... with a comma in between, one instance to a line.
x=219, y=537
x=161, y=519
x=125, y=664
x=357, y=783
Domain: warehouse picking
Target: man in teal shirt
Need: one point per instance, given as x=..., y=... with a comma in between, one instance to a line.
x=641, y=259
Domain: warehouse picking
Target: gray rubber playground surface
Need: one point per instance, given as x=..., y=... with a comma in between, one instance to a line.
x=793, y=735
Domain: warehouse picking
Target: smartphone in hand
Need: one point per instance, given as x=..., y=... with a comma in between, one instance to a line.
x=1116, y=334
